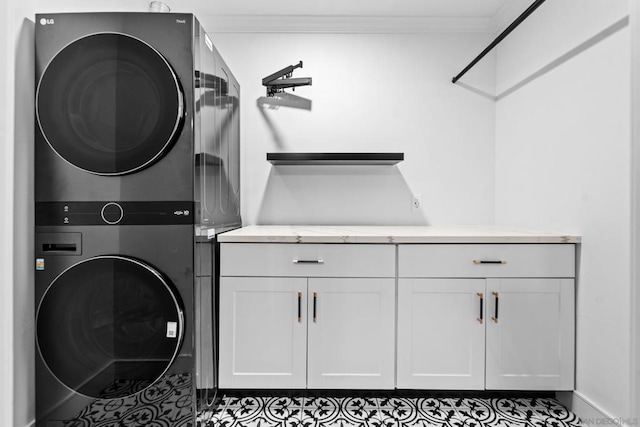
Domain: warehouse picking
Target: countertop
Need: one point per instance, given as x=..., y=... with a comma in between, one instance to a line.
x=390, y=234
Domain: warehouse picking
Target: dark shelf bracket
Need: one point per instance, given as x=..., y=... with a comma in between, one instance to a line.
x=280, y=80
x=498, y=39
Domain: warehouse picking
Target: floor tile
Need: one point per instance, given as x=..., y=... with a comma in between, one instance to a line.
x=241, y=402
x=320, y=410
x=169, y=401
x=359, y=411
x=435, y=410
x=283, y=411
x=355, y=403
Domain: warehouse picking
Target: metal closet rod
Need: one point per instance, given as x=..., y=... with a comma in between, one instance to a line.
x=498, y=39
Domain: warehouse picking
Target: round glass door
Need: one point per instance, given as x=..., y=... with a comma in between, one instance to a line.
x=109, y=104
x=109, y=327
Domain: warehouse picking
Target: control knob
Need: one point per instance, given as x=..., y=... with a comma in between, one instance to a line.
x=112, y=213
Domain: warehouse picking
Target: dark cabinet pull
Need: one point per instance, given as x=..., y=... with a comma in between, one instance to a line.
x=497, y=296
x=315, y=299
x=489, y=261
x=481, y=318
x=308, y=261
x=299, y=307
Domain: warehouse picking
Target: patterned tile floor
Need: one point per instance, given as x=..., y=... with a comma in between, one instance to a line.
x=270, y=411
x=166, y=403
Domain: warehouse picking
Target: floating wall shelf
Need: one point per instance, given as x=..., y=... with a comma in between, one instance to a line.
x=335, y=158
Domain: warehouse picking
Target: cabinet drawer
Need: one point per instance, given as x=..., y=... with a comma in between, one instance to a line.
x=486, y=260
x=307, y=260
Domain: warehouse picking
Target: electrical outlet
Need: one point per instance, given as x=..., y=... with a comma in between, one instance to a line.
x=416, y=203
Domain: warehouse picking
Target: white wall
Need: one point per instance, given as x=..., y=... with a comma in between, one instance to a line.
x=552, y=30
x=562, y=162
x=634, y=12
x=23, y=390
x=6, y=216
x=370, y=92
x=16, y=130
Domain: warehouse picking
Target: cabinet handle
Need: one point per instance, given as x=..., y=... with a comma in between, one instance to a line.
x=481, y=318
x=495, y=318
x=487, y=261
x=299, y=307
x=315, y=299
x=308, y=261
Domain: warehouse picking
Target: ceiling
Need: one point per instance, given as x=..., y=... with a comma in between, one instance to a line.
x=351, y=15
x=431, y=8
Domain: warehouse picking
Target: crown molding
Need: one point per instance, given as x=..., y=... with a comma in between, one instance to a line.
x=345, y=24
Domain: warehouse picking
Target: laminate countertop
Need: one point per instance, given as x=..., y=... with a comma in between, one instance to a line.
x=390, y=234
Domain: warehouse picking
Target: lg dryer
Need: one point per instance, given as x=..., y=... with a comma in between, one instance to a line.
x=134, y=107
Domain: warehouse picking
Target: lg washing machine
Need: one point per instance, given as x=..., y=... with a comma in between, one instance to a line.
x=114, y=323
x=136, y=171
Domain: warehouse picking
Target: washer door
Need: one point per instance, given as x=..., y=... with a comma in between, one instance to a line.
x=109, y=326
x=109, y=104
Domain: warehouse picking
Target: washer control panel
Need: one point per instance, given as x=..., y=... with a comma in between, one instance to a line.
x=114, y=213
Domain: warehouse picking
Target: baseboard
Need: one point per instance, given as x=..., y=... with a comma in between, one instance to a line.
x=588, y=412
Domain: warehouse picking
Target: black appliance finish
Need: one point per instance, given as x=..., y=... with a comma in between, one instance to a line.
x=112, y=314
x=136, y=171
x=135, y=107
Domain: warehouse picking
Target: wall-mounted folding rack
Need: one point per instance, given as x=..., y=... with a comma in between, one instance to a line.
x=335, y=158
x=282, y=79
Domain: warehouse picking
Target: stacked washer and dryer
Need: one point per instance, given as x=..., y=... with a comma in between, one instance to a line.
x=136, y=171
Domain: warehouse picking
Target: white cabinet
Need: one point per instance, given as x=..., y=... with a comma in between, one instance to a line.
x=351, y=338
x=441, y=342
x=469, y=316
x=289, y=320
x=530, y=346
x=264, y=332
x=505, y=333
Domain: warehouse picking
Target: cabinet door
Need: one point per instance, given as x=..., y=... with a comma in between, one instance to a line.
x=530, y=346
x=263, y=332
x=441, y=334
x=351, y=333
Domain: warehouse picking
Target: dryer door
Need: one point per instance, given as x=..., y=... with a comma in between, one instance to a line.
x=109, y=104
x=109, y=326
